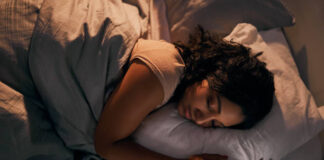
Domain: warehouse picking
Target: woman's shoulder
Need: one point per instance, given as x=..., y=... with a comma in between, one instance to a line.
x=147, y=44
x=164, y=61
x=157, y=52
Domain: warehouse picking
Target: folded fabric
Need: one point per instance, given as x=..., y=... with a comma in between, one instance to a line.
x=17, y=23
x=77, y=55
x=26, y=131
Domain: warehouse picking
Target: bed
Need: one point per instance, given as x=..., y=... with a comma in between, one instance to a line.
x=28, y=130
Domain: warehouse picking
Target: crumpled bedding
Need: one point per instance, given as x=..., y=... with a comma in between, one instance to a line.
x=26, y=131
x=78, y=53
x=17, y=23
x=26, y=125
x=76, y=56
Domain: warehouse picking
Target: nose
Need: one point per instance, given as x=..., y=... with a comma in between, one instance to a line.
x=202, y=119
x=206, y=122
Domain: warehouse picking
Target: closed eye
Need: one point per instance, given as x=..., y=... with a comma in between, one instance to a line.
x=210, y=110
x=213, y=124
x=216, y=124
x=208, y=104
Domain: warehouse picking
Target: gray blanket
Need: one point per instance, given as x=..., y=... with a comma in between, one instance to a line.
x=77, y=55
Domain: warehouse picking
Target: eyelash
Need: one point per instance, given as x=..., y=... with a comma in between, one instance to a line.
x=208, y=101
x=208, y=107
x=213, y=124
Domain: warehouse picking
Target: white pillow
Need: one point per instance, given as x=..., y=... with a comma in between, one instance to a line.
x=293, y=120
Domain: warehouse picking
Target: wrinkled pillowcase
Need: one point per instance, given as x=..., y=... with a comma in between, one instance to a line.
x=293, y=120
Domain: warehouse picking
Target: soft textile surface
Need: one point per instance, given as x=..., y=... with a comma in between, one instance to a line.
x=308, y=151
x=26, y=129
x=293, y=120
x=17, y=21
x=77, y=55
x=221, y=16
x=26, y=124
x=26, y=132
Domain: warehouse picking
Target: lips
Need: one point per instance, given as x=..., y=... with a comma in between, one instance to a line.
x=185, y=112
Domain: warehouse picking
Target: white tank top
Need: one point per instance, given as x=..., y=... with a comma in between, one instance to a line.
x=164, y=60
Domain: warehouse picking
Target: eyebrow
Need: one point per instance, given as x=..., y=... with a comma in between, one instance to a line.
x=219, y=103
x=219, y=106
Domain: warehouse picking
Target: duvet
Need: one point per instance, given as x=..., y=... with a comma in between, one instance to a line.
x=77, y=55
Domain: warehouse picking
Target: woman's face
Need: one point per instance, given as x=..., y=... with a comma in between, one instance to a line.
x=206, y=108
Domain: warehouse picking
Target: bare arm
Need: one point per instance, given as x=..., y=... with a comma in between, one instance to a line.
x=136, y=96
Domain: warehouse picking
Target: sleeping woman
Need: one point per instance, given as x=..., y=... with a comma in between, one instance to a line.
x=216, y=83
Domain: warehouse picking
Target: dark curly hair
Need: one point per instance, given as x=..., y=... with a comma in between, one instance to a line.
x=231, y=71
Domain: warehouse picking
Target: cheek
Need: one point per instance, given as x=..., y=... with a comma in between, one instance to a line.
x=232, y=119
x=185, y=100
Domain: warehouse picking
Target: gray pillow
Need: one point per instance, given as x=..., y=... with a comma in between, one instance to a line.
x=221, y=16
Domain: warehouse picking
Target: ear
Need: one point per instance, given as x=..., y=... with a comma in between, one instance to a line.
x=204, y=83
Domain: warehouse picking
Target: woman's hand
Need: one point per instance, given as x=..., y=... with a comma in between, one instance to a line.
x=208, y=157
